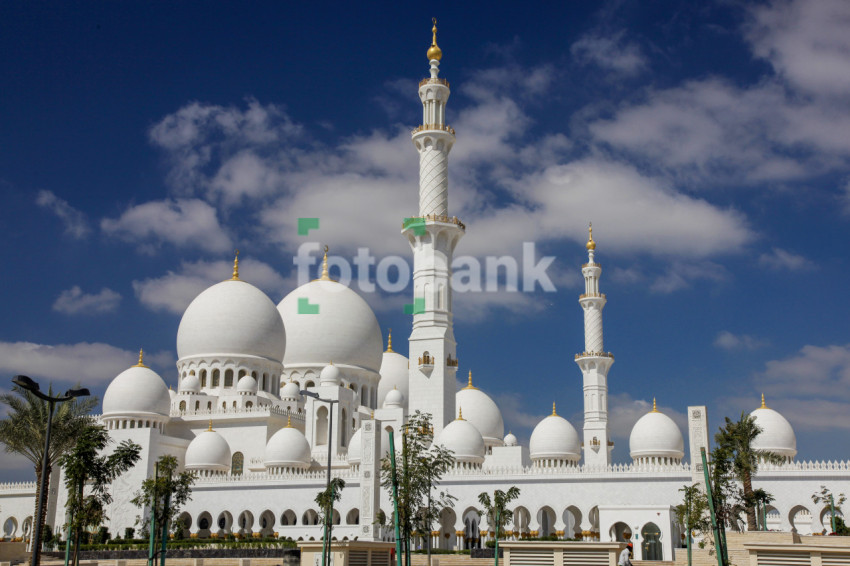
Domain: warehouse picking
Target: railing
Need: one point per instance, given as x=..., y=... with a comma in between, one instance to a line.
x=594, y=264
x=432, y=81
x=18, y=486
x=591, y=295
x=413, y=220
x=431, y=127
x=286, y=474
x=264, y=409
x=595, y=355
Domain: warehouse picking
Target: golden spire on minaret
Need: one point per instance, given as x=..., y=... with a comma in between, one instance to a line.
x=141, y=363
x=763, y=406
x=434, y=52
x=591, y=245
x=235, y=267
x=469, y=382
x=654, y=408
x=554, y=413
x=390, y=341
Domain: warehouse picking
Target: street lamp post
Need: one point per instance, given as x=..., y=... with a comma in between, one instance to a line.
x=326, y=547
x=28, y=384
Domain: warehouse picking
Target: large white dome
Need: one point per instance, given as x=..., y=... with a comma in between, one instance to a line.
x=461, y=437
x=776, y=434
x=554, y=438
x=137, y=391
x=335, y=325
x=394, y=375
x=288, y=448
x=208, y=451
x=232, y=317
x=655, y=435
x=481, y=411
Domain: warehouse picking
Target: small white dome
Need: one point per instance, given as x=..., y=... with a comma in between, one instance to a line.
x=246, y=384
x=481, y=411
x=510, y=440
x=232, y=317
x=208, y=451
x=344, y=329
x=395, y=374
x=461, y=437
x=330, y=375
x=656, y=435
x=394, y=399
x=776, y=434
x=290, y=392
x=189, y=384
x=288, y=448
x=554, y=438
x=137, y=391
x=354, y=447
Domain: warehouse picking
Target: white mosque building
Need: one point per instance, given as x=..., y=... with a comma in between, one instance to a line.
x=260, y=447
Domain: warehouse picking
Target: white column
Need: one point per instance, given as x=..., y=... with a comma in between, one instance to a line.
x=370, y=479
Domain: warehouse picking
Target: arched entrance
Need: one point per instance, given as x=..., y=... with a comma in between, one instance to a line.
x=620, y=532
x=651, y=543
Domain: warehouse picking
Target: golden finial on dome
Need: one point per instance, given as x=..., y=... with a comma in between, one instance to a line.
x=325, y=276
x=654, y=408
x=209, y=427
x=763, y=406
x=554, y=413
x=460, y=414
x=235, y=267
x=390, y=341
x=591, y=245
x=141, y=363
x=288, y=421
x=434, y=52
x=469, y=382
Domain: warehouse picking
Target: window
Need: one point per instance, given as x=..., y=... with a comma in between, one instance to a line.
x=228, y=378
x=203, y=378
x=182, y=406
x=215, y=379
x=236, y=464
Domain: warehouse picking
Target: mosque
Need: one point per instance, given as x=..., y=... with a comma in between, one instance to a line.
x=241, y=420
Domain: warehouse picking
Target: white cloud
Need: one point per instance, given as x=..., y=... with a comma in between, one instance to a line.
x=181, y=222
x=680, y=275
x=815, y=372
x=728, y=341
x=806, y=41
x=86, y=363
x=783, y=259
x=612, y=52
x=175, y=290
x=74, y=301
x=76, y=224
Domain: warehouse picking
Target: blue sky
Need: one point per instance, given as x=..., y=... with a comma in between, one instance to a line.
x=707, y=142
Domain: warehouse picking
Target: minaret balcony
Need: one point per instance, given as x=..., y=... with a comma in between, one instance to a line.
x=433, y=81
x=595, y=355
x=415, y=221
x=592, y=296
x=426, y=363
x=433, y=127
x=452, y=363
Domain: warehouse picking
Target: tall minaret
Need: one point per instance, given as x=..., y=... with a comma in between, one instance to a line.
x=594, y=363
x=433, y=236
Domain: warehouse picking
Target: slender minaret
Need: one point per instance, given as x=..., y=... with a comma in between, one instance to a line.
x=594, y=363
x=433, y=236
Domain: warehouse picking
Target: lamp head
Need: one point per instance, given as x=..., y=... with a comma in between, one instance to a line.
x=25, y=383
x=312, y=394
x=81, y=392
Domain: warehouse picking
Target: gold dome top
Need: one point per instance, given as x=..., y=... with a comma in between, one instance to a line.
x=390, y=341
x=235, y=267
x=141, y=363
x=469, y=383
x=434, y=52
x=591, y=245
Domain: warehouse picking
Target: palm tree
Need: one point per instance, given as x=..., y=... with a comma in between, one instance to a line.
x=735, y=442
x=497, y=512
x=25, y=426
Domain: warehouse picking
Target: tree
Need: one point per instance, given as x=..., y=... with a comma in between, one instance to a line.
x=735, y=446
x=326, y=499
x=826, y=495
x=762, y=498
x=178, y=486
x=83, y=466
x=25, y=426
x=496, y=510
x=422, y=464
x=693, y=512
x=498, y=506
